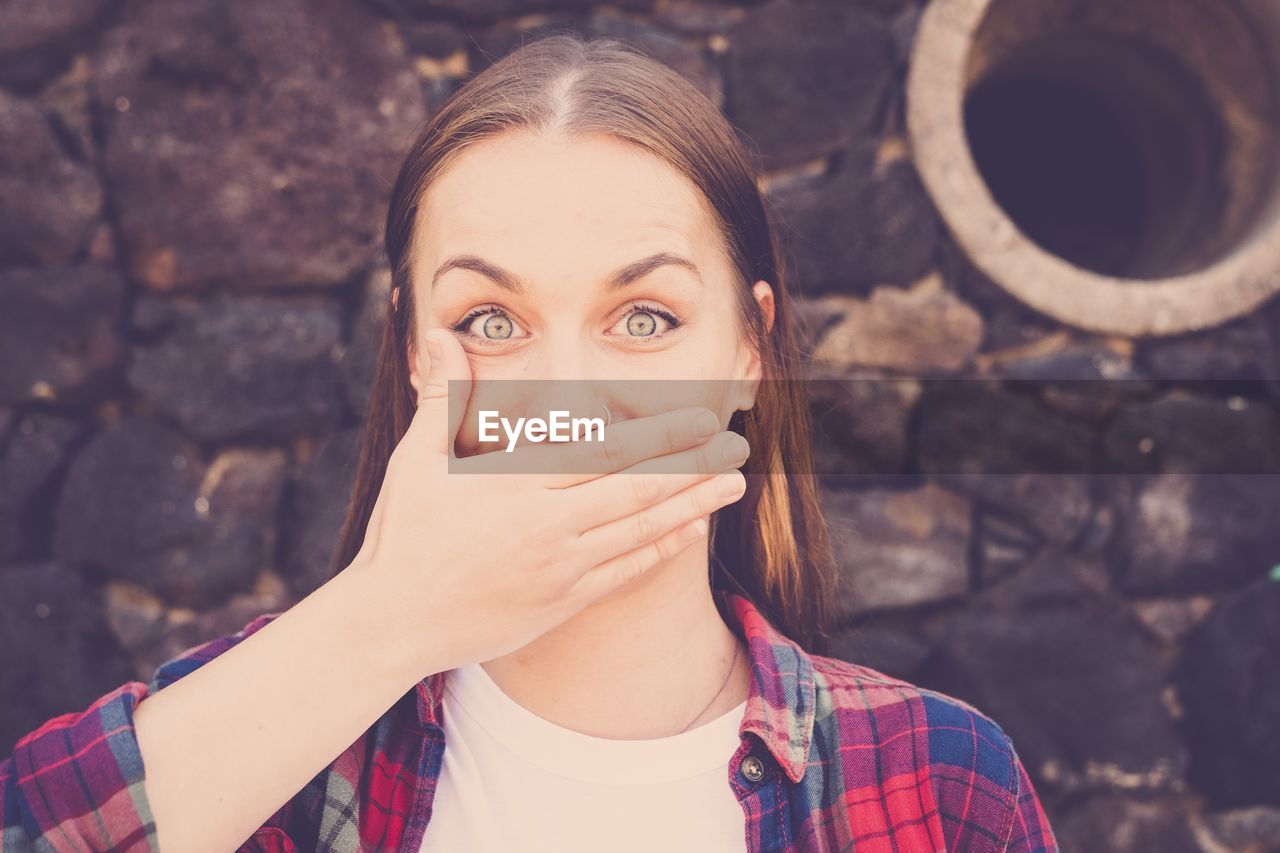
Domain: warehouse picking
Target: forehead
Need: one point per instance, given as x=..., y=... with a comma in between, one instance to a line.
x=531, y=201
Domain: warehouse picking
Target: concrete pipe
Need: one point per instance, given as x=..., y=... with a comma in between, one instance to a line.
x=1111, y=164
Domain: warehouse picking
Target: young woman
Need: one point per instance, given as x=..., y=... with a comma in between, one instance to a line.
x=552, y=661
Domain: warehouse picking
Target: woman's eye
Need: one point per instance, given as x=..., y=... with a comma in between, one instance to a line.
x=487, y=323
x=497, y=326
x=647, y=321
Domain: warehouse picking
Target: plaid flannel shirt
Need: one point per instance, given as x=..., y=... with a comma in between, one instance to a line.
x=853, y=760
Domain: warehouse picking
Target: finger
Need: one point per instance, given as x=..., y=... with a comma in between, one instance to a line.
x=622, y=570
x=645, y=484
x=626, y=534
x=445, y=393
x=564, y=464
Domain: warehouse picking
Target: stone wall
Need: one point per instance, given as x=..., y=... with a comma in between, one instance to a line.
x=191, y=285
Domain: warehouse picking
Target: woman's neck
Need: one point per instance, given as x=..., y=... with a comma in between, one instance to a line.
x=644, y=662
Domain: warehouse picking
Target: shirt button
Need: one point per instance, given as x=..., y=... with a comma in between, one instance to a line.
x=752, y=768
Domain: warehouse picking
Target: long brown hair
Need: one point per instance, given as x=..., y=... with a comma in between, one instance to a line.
x=770, y=546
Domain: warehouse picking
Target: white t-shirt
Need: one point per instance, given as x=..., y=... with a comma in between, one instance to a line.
x=514, y=781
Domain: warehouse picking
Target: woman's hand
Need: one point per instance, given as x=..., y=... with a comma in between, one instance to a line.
x=473, y=565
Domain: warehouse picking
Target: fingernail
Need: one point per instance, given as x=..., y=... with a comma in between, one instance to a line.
x=736, y=450
x=707, y=424
x=693, y=531
x=433, y=347
x=732, y=484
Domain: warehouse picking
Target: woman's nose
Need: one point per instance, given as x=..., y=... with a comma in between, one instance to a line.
x=572, y=399
x=571, y=375
x=567, y=360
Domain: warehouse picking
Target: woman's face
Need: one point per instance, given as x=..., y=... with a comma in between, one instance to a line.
x=520, y=245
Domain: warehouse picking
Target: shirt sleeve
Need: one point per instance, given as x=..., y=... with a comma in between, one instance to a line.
x=1029, y=831
x=76, y=782
x=984, y=798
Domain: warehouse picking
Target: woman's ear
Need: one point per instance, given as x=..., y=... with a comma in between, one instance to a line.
x=763, y=294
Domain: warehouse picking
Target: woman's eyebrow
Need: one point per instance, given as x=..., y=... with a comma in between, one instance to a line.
x=620, y=278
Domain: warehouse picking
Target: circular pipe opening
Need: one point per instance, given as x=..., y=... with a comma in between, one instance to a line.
x=1114, y=165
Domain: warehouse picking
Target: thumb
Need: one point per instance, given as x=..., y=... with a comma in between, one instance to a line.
x=445, y=392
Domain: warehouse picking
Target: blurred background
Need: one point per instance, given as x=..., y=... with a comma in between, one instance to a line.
x=1035, y=246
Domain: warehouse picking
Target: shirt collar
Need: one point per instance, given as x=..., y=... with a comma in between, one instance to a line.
x=780, y=704
x=780, y=700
